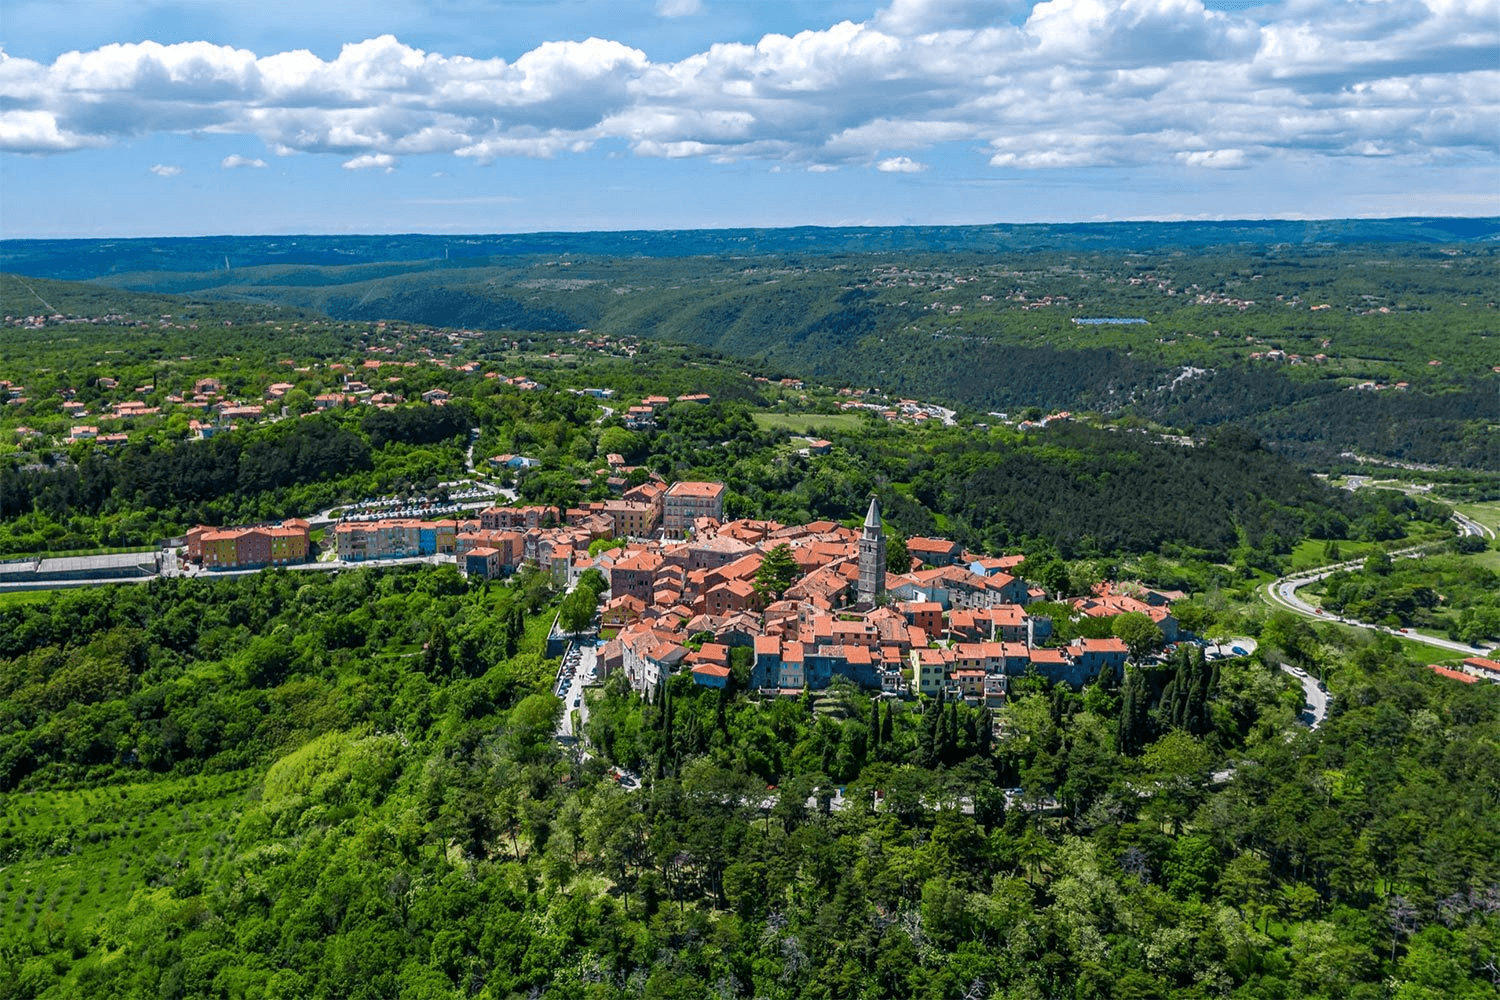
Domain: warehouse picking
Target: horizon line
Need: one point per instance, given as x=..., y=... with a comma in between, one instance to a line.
x=1227, y=220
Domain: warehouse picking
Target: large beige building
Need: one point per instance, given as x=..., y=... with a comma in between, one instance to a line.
x=688, y=501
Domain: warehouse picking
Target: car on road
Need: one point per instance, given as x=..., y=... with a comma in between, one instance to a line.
x=1238, y=650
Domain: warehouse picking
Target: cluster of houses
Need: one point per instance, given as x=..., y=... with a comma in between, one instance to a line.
x=501, y=539
x=642, y=416
x=251, y=547
x=394, y=538
x=901, y=409
x=952, y=621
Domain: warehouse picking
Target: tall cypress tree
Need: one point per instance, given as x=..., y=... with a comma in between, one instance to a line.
x=1198, y=715
x=1134, y=724
x=1182, y=690
x=947, y=745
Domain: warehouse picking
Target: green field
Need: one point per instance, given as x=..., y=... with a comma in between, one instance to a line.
x=1489, y=559
x=1308, y=554
x=809, y=423
x=78, y=858
x=12, y=598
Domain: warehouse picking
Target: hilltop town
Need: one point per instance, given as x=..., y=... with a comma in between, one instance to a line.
x=690, y=592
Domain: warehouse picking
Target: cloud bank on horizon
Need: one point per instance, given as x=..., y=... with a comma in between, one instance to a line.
x=1074, y=83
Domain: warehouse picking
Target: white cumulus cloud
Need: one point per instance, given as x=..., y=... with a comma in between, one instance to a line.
x=900, y=165
x=234, y=160
x=1052, y=84
x=367, y=161
x=165, y=170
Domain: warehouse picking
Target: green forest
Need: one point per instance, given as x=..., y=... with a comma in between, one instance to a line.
x=1079, y=489
x=307, y=786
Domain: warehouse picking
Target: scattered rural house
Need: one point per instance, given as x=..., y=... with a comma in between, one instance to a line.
x=1482, y=668
x=1451, y=674
x=513, y=462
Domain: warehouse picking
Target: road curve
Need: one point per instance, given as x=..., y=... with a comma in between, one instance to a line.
x=1282, y=594
x=1468, y=526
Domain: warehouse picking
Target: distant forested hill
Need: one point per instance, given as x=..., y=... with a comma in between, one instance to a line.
x=87, y=259
x=1270, y=325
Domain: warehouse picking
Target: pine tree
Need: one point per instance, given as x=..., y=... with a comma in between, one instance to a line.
x=1182, y=707
x=875, y=727
x=1106, y=678
x=515, y=629
x=778, y=571
x=887, y=728
x=437, y=658
x=930, y=746
x=1182, y=687
x=1167, y=705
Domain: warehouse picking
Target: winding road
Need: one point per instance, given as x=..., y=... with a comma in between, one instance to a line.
x=1282, y=594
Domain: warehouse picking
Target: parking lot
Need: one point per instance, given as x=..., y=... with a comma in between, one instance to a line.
x=461, y=496
x=577, y=670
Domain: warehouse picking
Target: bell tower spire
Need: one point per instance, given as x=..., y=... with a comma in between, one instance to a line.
x=871, y=556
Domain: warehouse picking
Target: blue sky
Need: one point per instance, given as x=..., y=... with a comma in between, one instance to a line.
x=198, y=117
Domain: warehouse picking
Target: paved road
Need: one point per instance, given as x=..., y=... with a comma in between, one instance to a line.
x=1469, y=526
x=1222, y=650
x=474, y=433
x=575, y=672
x=1315, y=705
x=1282, y=593
x=190, y=570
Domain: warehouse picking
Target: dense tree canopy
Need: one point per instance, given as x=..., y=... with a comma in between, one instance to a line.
x=356, y=777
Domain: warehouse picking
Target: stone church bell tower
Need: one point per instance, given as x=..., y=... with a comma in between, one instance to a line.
x=871, y=556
